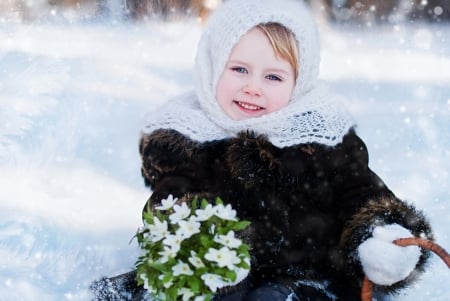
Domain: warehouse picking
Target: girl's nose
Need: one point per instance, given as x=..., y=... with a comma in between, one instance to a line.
x=252, y=87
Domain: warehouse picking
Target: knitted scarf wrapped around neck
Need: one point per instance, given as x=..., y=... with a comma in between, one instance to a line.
x=314, y=114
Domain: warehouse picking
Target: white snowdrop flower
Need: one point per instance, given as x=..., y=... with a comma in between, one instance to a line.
x=181, y=212
x=212, y=281
x=188, y=228
x=173, y=241
x=212, y=229
x=199, y=298
x=186, y=294
x=161, y=296
x=167, y=203
x=166, y=284
x=224, y=257
x=166, y=254
x=225, y=212
x=181, y=268
x=195, y=260
x=146, y=286
x=158, y=230
x=205, y=214
x=241, y=274
x=228, y=240
x=144, y=278
x=247, y=260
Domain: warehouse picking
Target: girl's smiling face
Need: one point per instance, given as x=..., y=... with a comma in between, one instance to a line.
x=254, y=81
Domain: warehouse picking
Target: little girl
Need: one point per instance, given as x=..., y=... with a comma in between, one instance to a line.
x=263, y=134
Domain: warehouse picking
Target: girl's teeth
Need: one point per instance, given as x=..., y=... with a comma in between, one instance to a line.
x=248, y=106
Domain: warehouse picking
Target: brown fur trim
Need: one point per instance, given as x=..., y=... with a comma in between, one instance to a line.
x=384, y=211
x=308, y=149
x=252, y=159
x=170, y=139
x=162, y=152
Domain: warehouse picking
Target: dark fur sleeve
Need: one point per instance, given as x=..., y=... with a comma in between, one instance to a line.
x=367, y=203
x=252, y=159
x=167, y=163
x=162, y=152
x=384, y=211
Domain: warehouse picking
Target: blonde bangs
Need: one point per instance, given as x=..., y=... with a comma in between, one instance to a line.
x=283, y=43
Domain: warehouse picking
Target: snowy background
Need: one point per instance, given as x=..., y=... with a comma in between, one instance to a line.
x=73, y=96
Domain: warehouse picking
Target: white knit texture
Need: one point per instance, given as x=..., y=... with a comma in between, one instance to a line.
x=314, y=114
x=319, y=119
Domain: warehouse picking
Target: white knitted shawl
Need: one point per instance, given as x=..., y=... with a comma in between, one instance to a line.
x=314, y=114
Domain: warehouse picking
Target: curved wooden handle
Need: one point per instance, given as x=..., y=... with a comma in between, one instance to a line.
x=366, y=289
x=426, y=244
x=367, y=285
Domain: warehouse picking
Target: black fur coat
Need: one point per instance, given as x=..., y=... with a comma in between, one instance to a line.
x=310, y=205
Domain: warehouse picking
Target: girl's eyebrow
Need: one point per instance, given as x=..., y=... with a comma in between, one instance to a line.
x=237, y=62
x=275, y=70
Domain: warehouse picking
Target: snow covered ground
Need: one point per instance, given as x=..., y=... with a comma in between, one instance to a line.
x=73, y=98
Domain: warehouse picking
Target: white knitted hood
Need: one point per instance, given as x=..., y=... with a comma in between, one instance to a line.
x=237, y=17
x=314, y=114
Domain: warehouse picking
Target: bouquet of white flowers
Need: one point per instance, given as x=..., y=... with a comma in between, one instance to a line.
x=191, y=251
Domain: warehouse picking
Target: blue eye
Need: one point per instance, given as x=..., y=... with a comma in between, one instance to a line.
x=239, y=69
x=273, y=77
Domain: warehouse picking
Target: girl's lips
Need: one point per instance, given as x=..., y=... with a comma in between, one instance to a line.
x=248, y=107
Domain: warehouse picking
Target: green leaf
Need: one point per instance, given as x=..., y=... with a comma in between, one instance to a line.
x=167, y=278
x=161, y=217
x=172, y=293
x=243, y=265
x=241, y=225
x=231, y=275
x=208, y=297
x=139, y=280
x=244, y=250
x=219, y=201
x=139, y=236
x=157, y=266
x=148, y=216
x=206, y=240
x=194, y=284
x=204, y=203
